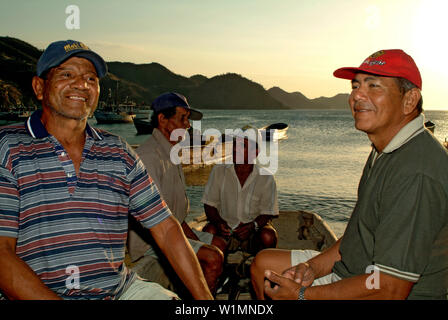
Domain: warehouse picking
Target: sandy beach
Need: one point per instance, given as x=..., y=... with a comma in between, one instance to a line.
x=196, y=175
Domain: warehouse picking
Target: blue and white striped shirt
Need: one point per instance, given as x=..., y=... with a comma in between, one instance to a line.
x=62, y=220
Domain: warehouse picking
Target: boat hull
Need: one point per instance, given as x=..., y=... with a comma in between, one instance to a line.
x=302, y=230
x=274, y=132
x=143, y=126
x=103, y=117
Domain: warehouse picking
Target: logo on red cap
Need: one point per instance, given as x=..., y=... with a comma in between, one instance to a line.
x=370, y=62
x=377, y=54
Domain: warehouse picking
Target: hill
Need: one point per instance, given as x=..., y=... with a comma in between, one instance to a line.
x=142, y=83
x=296, y=100
x=232, y=91
x=17, y=68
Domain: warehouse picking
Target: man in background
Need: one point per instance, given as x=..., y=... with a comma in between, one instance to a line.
x=240, y=199
x=172, y=112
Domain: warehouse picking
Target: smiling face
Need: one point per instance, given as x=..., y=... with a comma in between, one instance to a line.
x=377, y=106
x=70, y=90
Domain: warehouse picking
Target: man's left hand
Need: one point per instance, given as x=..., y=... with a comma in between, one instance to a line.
x=284, y=288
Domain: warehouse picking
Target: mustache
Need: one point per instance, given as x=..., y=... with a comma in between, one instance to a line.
x=360, y=105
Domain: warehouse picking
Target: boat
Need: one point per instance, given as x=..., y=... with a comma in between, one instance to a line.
x=111, y=111
x=197, y=159
x=143, y=125
x=296, y=230
x=142, y=111
x=299, y=229
x=430, y=126
x=116, y=116
x=272, y=132
x=202, y=159
x=13, y=116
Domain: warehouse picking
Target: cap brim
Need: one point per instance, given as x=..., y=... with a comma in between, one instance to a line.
x=350, y=72
x=346, y=73
x=195, y=115
x=98, y=62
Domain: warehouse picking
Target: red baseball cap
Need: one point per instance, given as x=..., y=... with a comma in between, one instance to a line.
x=388, y=63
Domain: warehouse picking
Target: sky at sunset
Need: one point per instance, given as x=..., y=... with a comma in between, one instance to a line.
x=295, y=45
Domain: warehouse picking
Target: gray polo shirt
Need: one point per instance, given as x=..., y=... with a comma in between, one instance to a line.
x=400, y=221
x=169, y=177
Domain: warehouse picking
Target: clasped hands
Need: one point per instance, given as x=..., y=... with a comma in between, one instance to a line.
x=242, y=232
x=287, y=285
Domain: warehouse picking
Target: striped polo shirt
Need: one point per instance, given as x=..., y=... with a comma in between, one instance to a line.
x=72, y=229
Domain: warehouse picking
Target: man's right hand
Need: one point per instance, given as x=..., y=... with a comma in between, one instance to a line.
x=302, y=273
x=224, y=230
x=17, y=280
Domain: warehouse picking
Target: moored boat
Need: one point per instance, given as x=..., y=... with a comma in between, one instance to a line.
x=272, y=132
x=108, y=117
x=430, y=126
x=7, y=117
x=143, y=125
x=296, y=230
x=112, y=111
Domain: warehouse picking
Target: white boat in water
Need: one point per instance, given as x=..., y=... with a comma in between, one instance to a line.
x=274, y=132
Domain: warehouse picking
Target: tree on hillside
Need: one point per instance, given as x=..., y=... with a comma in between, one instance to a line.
x=9, y=95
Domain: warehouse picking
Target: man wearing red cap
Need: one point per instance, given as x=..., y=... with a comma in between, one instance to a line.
x=399, y=226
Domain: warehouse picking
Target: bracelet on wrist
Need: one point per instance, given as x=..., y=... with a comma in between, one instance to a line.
x=302, y=293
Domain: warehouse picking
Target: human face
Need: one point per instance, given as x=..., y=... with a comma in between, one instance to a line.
x=377, y=106
x=71, y=90
x=244, y=151
x=178, y=121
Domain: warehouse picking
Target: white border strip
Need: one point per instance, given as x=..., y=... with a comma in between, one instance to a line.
x=413, y=277
x=28, y=123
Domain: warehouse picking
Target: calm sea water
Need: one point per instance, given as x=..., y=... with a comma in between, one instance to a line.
x=319, y=165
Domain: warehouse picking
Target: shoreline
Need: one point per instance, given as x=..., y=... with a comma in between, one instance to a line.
x=197, y=174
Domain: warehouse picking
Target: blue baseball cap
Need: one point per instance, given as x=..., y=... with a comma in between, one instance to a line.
x=59, y=51
x=173, y=99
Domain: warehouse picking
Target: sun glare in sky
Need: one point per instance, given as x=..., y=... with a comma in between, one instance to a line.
x=295, y=45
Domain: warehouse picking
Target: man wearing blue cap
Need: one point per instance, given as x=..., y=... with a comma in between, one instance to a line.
x=66, y=191
x=171, y=113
